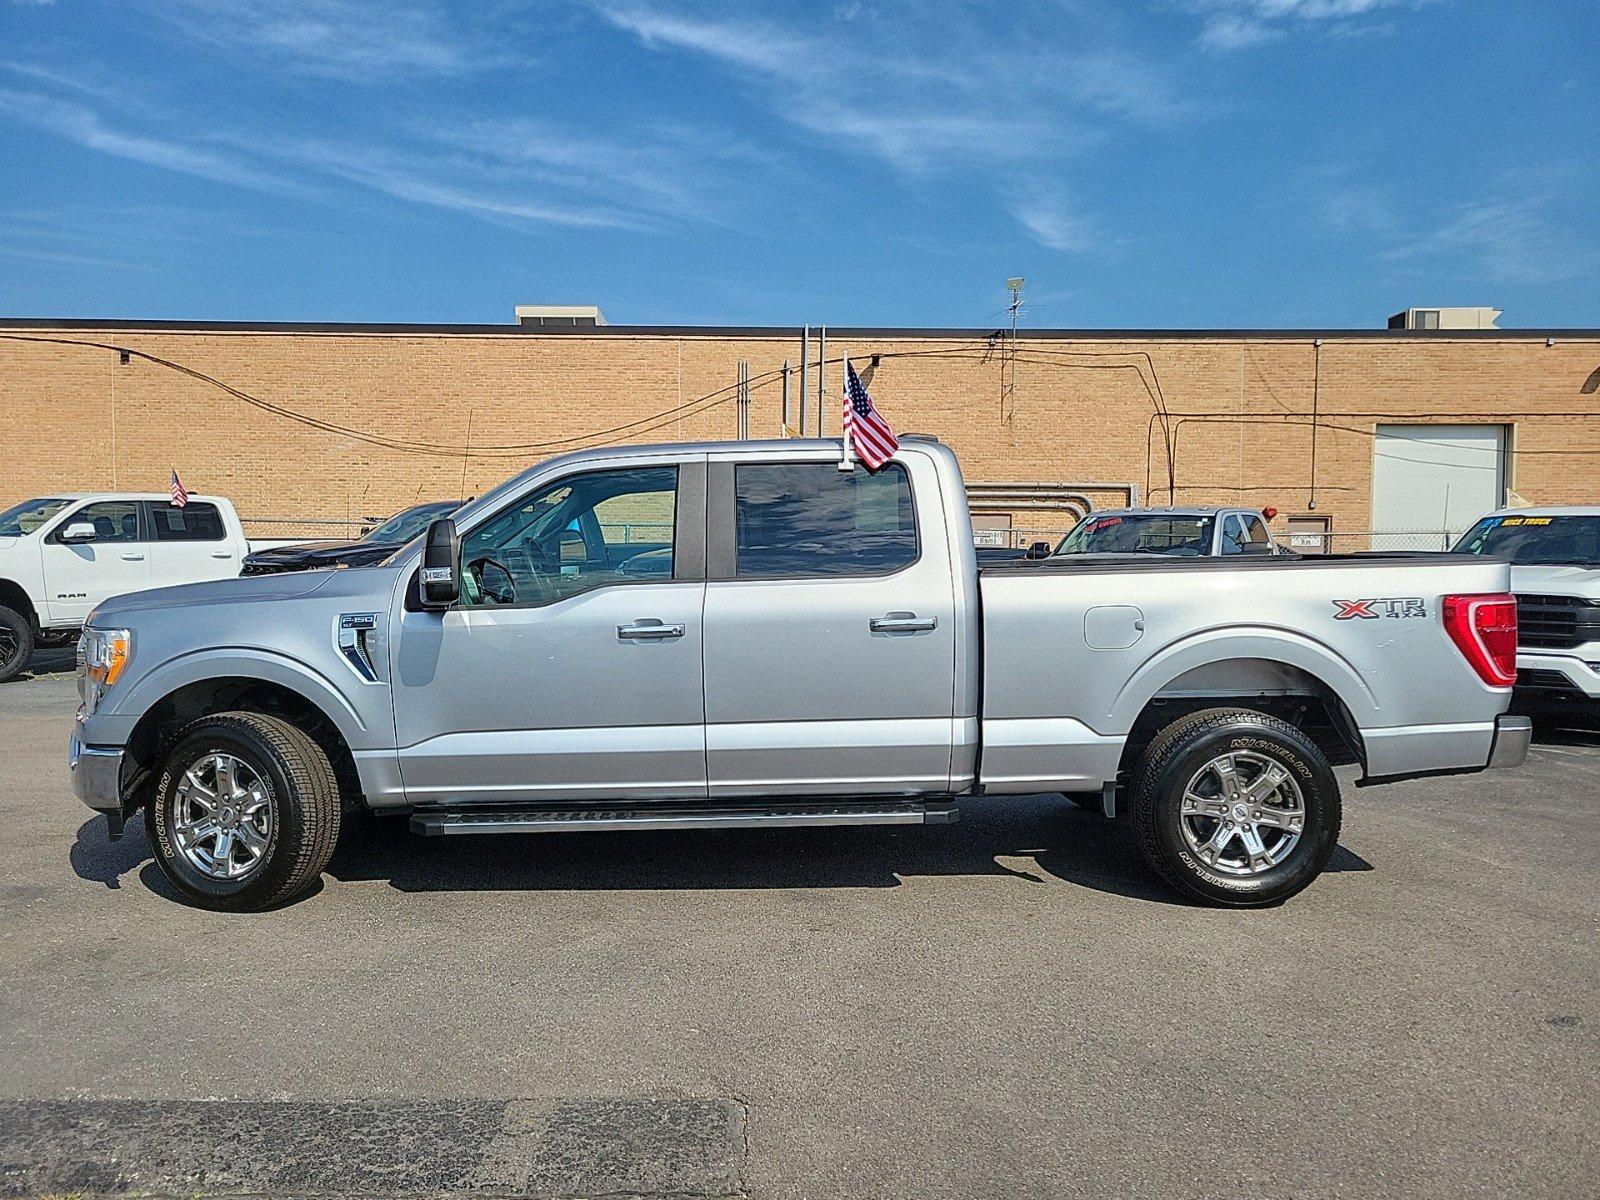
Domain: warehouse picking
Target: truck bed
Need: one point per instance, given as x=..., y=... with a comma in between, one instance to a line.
x=1076, y=648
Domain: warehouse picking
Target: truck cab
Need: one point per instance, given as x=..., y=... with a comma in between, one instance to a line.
x=1194, y=532
x=62, y=555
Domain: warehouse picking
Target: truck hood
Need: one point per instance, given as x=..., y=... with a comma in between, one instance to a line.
x=7, y=542
x=1534, y=577
x=249, y=590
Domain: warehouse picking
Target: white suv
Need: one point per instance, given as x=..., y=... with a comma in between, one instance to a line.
x=1555, y=572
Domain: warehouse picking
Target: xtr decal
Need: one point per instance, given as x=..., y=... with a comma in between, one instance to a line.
x=1383, y=606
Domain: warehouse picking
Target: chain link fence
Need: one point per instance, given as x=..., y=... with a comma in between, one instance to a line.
x=1368, y=540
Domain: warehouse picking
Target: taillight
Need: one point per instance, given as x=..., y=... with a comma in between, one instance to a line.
x=1484, y=629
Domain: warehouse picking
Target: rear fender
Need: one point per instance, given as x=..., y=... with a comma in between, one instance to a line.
x=1317, y=659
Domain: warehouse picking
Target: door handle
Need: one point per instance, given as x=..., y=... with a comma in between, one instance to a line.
x=222, y=554
x=902, y=622
x=134, y=557
x=648, y=629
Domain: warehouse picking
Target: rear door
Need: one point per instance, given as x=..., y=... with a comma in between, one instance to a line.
x=829, y=629
x=80, y=575
x=191, y=544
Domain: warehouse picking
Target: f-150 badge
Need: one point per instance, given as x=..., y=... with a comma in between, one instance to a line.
x=1386, y=606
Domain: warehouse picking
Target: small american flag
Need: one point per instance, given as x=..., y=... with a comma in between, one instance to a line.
x=875, y=443
x=180, y=494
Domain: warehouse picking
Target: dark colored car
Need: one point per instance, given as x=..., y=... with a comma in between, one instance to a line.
x=370, y=548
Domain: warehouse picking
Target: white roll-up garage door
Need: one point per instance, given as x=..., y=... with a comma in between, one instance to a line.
x=1431, y=482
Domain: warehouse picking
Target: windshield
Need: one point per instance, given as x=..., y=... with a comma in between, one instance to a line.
x=1153, y=533
x=404, y=526
x=1551, y=541
x=22, y=519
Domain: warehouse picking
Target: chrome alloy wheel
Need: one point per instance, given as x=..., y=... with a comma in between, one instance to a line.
x=222, y=817
x=1243, y=813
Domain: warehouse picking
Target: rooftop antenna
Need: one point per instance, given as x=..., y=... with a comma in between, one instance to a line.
x=1008, y=367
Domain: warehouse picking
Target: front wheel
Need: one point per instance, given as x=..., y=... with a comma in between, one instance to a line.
x=16, y=643
x=245, y=813
x=1235, y=807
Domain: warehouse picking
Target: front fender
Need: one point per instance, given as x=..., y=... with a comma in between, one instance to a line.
x=113, y=723
x=1317, y=659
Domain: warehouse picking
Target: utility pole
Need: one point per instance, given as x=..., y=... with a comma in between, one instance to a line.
x=1008, y=369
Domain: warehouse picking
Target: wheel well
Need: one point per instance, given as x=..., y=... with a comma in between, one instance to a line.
x=16, y=598
x=1277, y=689
x=160, y=726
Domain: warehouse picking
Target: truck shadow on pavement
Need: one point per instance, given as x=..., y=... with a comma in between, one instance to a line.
x=1032, y=840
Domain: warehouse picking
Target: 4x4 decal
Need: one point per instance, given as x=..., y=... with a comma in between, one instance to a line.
x=1384, y=606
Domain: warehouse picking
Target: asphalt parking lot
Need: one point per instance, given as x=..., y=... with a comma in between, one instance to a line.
x=1004, y=1007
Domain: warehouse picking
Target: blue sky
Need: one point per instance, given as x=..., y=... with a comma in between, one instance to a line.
x=1142, y=163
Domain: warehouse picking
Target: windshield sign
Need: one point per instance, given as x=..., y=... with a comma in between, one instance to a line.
x=22, y=519
x=1546, y=541
x=1157, y=533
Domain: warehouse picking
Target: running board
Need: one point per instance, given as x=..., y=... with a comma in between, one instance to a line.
x=665, y=816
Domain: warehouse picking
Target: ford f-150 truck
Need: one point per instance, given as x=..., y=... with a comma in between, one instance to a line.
x=1555, y=573
x=61, y=555
x=795, y=644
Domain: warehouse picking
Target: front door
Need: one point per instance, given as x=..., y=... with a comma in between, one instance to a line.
x=570, y=668
x=79, y=575
x=830, y=630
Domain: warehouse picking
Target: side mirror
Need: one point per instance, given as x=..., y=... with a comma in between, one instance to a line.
x=77, y=533
x=1039, y=550
x=440, y=577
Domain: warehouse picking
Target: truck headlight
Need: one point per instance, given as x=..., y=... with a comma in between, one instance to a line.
x=105, y=655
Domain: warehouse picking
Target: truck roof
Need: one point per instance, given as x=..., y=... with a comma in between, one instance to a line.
x=1195, y=510
x=125, y=496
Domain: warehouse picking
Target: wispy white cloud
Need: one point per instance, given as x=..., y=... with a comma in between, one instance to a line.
x=86, y=127
x=353, y=40
x=435, y=180
x=1053, y=224
x=1239, y=24
x=923, y=88
x=1520, y=227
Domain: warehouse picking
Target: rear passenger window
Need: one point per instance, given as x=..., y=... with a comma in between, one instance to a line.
x=193, y=522
x=808, y=519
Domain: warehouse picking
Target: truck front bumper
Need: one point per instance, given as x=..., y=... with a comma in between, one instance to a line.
x=1549, y=678
x=97, y=776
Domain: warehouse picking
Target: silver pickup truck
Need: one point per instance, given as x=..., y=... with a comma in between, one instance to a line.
x=742, y=634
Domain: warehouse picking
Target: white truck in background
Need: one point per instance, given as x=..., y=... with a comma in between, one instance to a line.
x=61, y=555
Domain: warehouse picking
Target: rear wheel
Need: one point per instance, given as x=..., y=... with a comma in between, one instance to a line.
x=16, y=643
x=245, y=813
x=1235, y=807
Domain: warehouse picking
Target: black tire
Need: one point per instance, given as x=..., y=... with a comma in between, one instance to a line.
x=16, y=643
x=1184, y=748
x=302, y=790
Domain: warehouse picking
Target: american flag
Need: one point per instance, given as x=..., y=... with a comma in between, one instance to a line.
x=180, y=494
x=874, y=441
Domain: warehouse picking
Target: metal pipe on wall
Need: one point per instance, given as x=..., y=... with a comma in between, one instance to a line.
x=805, y=374
x=822, y=377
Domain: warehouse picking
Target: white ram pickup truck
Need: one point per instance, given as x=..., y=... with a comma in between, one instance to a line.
x=61, y=555
x=792, y=645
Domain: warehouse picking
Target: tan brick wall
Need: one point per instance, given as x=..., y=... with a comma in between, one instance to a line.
x=1083, y=410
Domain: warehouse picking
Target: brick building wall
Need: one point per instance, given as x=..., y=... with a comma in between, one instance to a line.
x=396, y=415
